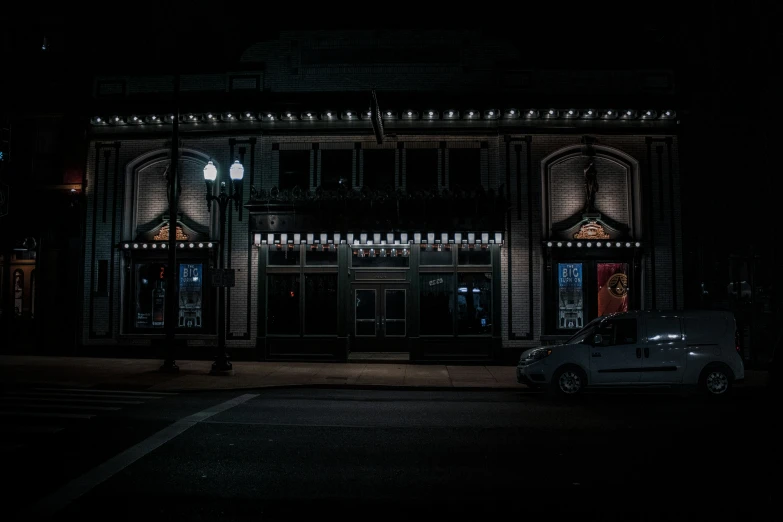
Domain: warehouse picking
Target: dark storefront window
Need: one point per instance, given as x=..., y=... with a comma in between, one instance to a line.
x=421, y=169
x=283, y=304
x=286, y=255
x=150, y=299
x=474, y=256
x=379, y=169
x=436, y=303
x=464, y=169
x=327, y=257
x=570, y=296
x=474, y=293
x=294, y=169
x=612, y=279
x=433, y=256
x=150, y=295
x=336, y=168
x=321, y=304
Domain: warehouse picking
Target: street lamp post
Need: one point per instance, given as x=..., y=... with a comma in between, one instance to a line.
x=222, y=366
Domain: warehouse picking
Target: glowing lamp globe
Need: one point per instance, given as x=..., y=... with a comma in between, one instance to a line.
x=210, y=172
x=237, y=171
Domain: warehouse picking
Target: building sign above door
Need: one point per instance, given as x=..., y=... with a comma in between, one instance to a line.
x=380, y=276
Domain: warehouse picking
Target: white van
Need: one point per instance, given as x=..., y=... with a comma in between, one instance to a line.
x=643, y=348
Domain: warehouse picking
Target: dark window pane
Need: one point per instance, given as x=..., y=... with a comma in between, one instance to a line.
x=336, y=168
x=365, y=304
x=322, y=257
x=464, y=169
x=433, y=257
x=474, y=256
x=294, y=169
x=421, y=169
x=364, y=311
x=283, y=304
x=365, y=328
x=570, y=305
x=283, y=256
x=619, y=332
x=379, y=169
x=625, y=333
x=190, y=291
x=474, y=293
x=321, y=304
x=394, y=257
x=396, y=328
x=436, y=302
x=395, y=304
x=150, y=295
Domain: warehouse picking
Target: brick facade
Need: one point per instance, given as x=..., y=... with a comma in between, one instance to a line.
x=566, y=198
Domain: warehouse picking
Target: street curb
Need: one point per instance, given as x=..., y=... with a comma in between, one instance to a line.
x=384, y=387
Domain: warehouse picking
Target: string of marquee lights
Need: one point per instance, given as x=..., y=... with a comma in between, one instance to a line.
x=350, y=115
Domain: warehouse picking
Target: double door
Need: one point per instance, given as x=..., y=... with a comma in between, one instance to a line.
x=380, y=317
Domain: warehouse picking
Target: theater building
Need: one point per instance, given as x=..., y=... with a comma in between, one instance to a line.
x=486, y=219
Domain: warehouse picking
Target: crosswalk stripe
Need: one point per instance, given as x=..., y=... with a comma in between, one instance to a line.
x=82, y=416
x=105, y=400
x=93, y=390
x=61, y=407
x=80, y=395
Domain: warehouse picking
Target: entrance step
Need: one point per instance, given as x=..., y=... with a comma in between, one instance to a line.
x=379, y=357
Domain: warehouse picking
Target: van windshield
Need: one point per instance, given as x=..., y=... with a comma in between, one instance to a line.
x=585, y=333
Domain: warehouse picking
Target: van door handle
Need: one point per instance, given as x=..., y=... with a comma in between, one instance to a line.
x=647, y=352
x=596, y=354
x=638, y=353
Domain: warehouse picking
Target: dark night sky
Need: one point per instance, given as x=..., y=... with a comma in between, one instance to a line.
x=727, y=59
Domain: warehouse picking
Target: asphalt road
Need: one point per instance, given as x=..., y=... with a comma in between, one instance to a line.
x=385, y=455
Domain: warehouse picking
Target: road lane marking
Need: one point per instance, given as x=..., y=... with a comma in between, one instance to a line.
x=81, y=416
x=78, y=487
x=93, y=390
x=75, y=401
x=67, y=394
x=58, y=406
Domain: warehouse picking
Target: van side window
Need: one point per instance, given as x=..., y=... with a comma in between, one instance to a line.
x=615, y=332
x=663, y=329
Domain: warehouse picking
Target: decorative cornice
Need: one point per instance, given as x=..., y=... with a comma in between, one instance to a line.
x=348, y=115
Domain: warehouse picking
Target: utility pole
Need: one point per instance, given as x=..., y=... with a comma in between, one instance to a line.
x=169, y=364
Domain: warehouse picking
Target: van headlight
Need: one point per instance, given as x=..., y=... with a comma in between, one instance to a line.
x=535, y=355
x=540, y=353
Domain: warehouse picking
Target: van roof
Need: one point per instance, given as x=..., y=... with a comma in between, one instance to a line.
x=676, y=313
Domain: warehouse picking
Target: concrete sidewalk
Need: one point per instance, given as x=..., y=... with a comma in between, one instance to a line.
x=143, y=374
x=193, y=375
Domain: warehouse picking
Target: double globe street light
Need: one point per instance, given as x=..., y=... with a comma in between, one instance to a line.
x=222, y=365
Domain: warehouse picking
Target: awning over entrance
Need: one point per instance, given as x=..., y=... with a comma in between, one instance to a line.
x=377, y=238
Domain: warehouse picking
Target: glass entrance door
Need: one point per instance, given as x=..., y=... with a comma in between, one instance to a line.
x=380, y=314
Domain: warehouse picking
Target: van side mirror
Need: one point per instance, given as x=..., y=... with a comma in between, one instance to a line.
x=597, y=339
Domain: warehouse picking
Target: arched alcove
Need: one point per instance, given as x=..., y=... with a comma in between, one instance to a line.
x=617, y=200
x=146, y=201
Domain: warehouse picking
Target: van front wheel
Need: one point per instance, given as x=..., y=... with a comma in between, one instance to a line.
x=567, y=381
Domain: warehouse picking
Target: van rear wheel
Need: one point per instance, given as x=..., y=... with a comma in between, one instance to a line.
x=715, y=381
